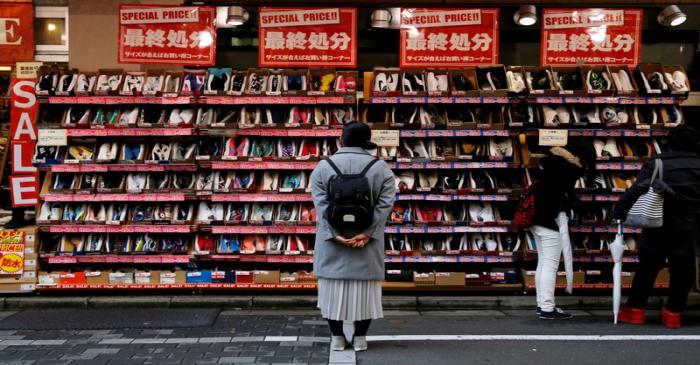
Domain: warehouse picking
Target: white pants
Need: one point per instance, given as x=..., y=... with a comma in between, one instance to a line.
x=549, y=249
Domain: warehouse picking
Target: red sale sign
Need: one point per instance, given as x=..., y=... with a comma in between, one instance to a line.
x=24, y=183
x=449, y=37
x=591, y=36
x=308, y=37
x=182, y=35
x=16, y=32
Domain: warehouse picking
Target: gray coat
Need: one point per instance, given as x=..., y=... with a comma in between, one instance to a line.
x=333, y=260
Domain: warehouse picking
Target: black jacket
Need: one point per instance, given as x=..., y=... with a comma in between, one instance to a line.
x=680, y=234
x=554, y=191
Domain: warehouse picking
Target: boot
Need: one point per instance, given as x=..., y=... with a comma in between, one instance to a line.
x=632, y=316
x=670, y=319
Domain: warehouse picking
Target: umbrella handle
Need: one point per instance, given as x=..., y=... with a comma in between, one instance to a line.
x=619, y=226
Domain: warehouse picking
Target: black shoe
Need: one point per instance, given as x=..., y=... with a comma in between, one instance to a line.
x=555, y=314
x=538, y=311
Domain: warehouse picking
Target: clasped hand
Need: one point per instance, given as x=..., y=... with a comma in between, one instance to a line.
x=358, y=241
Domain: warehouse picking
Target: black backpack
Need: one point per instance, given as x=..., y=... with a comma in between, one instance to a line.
x=350, y=200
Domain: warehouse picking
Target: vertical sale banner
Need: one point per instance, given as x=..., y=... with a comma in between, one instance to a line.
x=24, y=182
x=16, y=31
x=449, y=37
x=182, y=35
x=591, y=36
x=308, y=37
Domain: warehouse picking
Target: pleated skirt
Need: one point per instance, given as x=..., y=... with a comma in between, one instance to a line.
x=350, y=300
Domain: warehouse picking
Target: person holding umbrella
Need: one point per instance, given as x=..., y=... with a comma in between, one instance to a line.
x=678, y=240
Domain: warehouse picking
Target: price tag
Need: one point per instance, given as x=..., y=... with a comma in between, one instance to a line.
x=553, y=137
x=385, y=138
x=52, y=137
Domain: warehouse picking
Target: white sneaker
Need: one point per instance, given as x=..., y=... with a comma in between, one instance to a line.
x=338, y=343
x=359, y=343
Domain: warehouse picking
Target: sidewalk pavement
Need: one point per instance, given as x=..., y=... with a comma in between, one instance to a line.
x=301, y=337
x=309, y=301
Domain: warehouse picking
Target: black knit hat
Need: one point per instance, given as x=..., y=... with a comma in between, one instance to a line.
x=356, y=134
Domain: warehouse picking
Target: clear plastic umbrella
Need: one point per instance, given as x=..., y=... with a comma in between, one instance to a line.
x=617, y=249
x=565, y=243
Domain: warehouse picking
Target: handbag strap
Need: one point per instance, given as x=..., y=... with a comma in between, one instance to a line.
x=658, y=171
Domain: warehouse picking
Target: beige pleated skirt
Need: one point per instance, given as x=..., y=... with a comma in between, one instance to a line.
x=350, y=300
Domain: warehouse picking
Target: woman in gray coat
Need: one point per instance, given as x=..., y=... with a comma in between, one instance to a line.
x=349, y=266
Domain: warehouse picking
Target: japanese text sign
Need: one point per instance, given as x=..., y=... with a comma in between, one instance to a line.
x=183, y=35
x=308, y=37
x=16, y=32
x=591, y=36
x=11, y=252
x=449, y=37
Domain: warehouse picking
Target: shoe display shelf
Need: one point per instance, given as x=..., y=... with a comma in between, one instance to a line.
x=428, y=154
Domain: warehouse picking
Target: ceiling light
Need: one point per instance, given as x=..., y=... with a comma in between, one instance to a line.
x=51, y=27
x=381, y=18
x=671, y=16
x=526, y=15
x=237, y=15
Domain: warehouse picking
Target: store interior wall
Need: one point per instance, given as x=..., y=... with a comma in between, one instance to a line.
x=93, y=34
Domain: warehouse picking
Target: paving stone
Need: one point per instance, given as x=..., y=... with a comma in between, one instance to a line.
x=232, y=360
x=116, y=341
x=149, y=340
x=157, y=332
x=129, y=302
x=19, y=362
x=215, y=339
x=46, y=302
x=181, y=340
x=102, y=351
x=48, y=342
x=248, y=339
x=211, y=301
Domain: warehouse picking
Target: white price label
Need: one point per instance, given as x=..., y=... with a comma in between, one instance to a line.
x=554, y=137
x=52, y=137
x=385, y=138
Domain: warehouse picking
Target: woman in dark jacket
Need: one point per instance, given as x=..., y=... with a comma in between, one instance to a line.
x=554, y=197
x=678, y=241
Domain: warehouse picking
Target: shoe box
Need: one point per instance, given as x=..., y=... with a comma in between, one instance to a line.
x=450, y=278
x=244, y=277
x=664, y=277
x=121, y=277
x=26, y=281
x=202, y=276
x=289, y=278
x=424, y=279
x=266, y=277
x=147, y=277
x=580, y=277
x=223, y=277
x=172, y=277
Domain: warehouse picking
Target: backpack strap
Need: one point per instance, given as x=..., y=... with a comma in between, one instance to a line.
x=369, y=166
x=334, y=166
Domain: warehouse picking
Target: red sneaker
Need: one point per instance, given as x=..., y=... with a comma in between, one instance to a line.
x=670, y=319
x=632, y=316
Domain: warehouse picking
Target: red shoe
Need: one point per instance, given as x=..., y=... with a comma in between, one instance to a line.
x=670, y=319
x=632, y=316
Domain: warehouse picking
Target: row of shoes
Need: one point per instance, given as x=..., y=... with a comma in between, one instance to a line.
x=476, y=180
x=611, y=115
x=96, y=243
x=676, y=81
x=275, y=116
x=592, y=213
x=435, y=116
x=607, y=181
x=586, y=242
x=253, y=243
x=449, y=212
x=116, y=213
x=283, y=149
x=489, y=242
x=194, y=81
x=450, y=148
x=412, y=82
x=615, y=148
x=176, y=213
x=597, y=80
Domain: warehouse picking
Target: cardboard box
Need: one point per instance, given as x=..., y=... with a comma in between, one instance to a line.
x=49, y=278
x=579, y=277
x=28, y=277
x=172, y=277
x=228, y=277
x=266, y=277
x=664, y=277
x=450, y=278
x=244, y=277
x=203, y=276
x=627, y=277
x=16, y=288
x=72, y=278
x=97, y=277
x=289, y=278
x=306, y=277
x=146, y=277
x=424, y=279
x=121, y=277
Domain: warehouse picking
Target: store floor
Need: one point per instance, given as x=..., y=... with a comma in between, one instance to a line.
x=407, y=337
